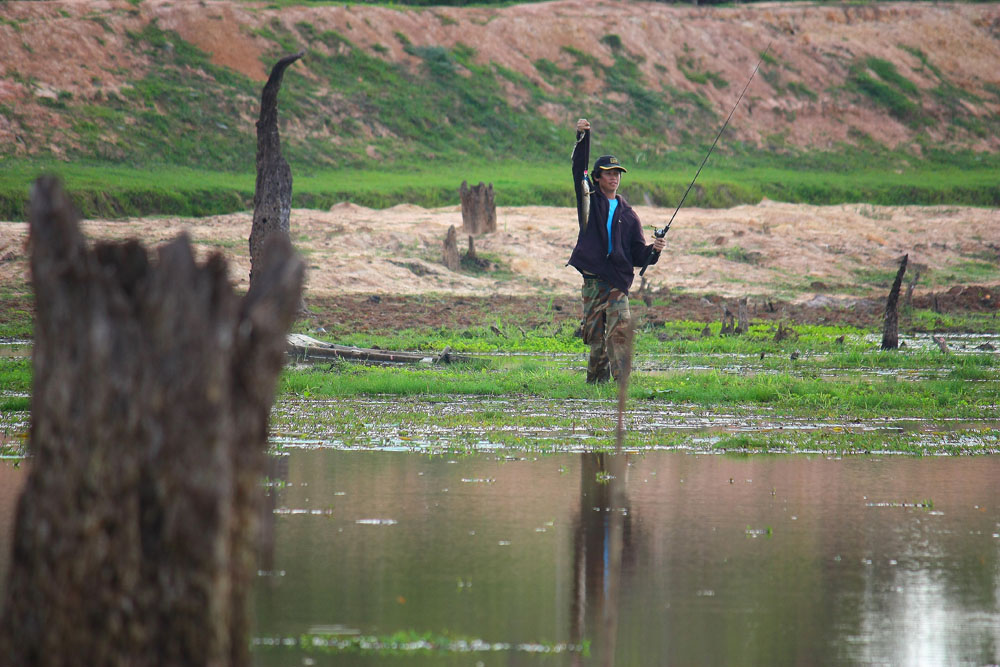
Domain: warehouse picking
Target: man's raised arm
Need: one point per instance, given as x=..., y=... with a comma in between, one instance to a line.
x=581, y=160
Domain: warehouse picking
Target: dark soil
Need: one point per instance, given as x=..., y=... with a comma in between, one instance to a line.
x=379, y=314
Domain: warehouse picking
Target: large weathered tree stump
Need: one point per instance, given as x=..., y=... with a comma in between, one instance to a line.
x=272, y=196
x=153, y=381
x=890, y=324
x=479, y=212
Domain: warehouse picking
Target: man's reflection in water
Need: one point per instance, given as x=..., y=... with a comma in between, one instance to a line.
x=599, y=539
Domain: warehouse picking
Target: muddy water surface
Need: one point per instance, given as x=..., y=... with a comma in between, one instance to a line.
x=666, y=558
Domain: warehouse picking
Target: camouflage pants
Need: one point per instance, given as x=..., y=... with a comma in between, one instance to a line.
x=606, y=319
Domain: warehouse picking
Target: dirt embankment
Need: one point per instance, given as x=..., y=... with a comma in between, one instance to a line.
x=81, y=51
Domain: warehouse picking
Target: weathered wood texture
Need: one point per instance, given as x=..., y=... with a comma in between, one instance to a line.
x=153, y=381
x=449, y=253
x=479, y=212
x=890, y=323
x=272, y=196
x=742, y=317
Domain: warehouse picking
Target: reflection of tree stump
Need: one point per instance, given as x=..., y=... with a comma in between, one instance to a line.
x=450, y=256
x=272, y=196
x=890, y=326
x=153, y=381
x=479, y=212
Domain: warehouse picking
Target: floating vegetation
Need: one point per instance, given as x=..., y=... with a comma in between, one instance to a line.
x=409, y=642
x=923, y=504
x=440, y=424
x=759, y=532
x=299, y=511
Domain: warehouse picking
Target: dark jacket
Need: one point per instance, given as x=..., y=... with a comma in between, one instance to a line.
x=628, y=245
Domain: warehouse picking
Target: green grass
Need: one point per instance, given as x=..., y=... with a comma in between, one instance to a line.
x=968, y=271
x=919, y=320
x=940, y=386
x=751, y=376
x=889, y=89
x=15, y=375
x=16, y=313
x=15, y=404
x=887, y=72
x=405, y=409
x=101, y=190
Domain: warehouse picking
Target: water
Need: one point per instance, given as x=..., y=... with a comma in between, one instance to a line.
x=667, y=558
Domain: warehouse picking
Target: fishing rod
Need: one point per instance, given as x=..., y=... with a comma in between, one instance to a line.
x=660, y=233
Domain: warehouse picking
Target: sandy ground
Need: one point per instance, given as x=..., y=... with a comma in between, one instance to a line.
x=787, y=251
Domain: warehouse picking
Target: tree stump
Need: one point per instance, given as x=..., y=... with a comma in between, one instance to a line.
x=742, y=318
x=450, y=256
x=728, y=322
x=153, y=381
x=272, y=195
x=784, y=332
x=479, y=212
x=890, y=325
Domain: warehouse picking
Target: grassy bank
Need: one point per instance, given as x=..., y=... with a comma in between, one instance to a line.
x=103, y=191
x=828, y=388
x=788, y=393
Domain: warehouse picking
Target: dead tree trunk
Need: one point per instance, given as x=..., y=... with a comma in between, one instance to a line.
x=450, y=253
x=479, y=212
x=742, y=318
x=153, y=382
x=890, y=326
x=272, y=196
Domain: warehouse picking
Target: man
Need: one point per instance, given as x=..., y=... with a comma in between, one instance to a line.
x=608, y=248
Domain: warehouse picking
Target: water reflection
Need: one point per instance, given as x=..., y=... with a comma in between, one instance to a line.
x=600, y=534
x=662, y=558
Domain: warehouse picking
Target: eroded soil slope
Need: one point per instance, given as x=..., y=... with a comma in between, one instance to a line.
x=836, y=73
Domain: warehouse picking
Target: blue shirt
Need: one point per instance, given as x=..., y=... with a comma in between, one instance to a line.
x=612, y=205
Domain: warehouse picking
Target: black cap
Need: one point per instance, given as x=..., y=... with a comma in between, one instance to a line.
x=607, y=162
